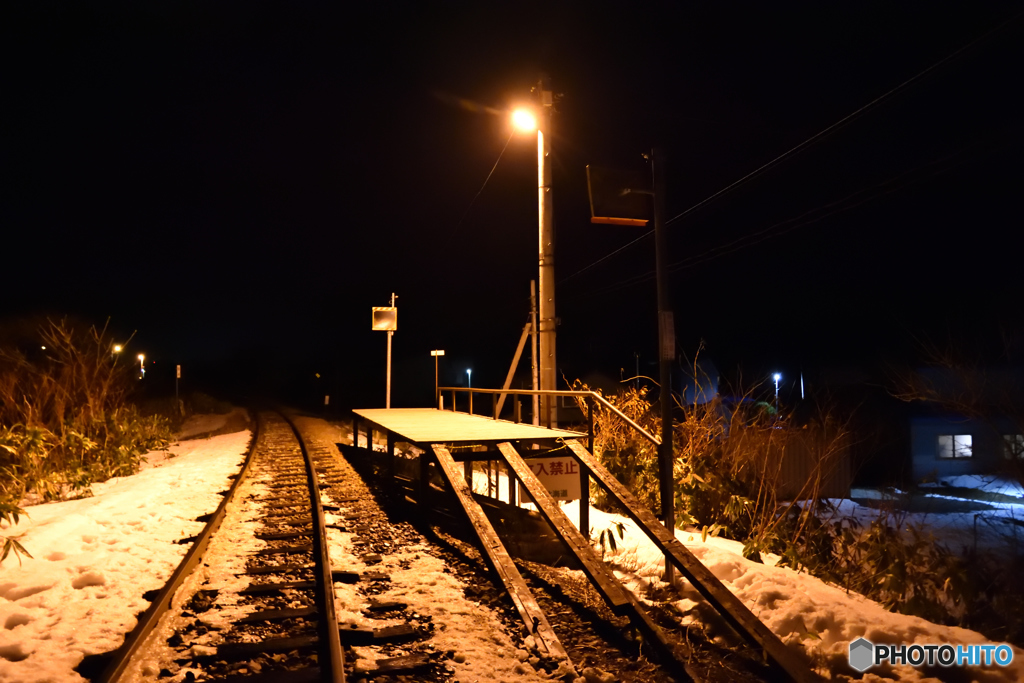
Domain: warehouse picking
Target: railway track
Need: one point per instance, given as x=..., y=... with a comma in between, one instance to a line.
x=316, y=569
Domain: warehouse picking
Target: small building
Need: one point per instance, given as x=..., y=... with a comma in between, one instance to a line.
x=947, y=445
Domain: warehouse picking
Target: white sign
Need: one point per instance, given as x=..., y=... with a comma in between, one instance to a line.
x=560, y=476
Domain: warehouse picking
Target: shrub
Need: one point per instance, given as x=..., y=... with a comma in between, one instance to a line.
x=64, y=418
x=727, y=465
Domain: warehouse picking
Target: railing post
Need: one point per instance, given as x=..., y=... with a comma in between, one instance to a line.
x=470, y=401
x=454, y=409
x=424, y=482
x=513, y=487
x=590, y=425
x=390, y=459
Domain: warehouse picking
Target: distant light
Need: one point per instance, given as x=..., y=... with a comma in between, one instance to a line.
x=777, y=376
x=117, y=348
x=142, y=356
x=317, y=375
x=43, y=348
x=524, y=120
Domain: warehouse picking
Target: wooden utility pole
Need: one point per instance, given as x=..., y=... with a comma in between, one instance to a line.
x=666, y=350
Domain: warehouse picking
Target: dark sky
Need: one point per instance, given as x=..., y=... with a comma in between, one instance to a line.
x=240, y=183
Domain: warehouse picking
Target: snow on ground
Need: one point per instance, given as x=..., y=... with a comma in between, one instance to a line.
x=94, y=558
x=806, y=613
x=206, y=423
x=989, y=483
x=472, y=632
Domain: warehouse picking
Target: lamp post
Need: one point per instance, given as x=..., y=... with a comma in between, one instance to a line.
x=142, y=364
x=469, y=374
x=437, y=394
x=541, y=121
x=777, y=376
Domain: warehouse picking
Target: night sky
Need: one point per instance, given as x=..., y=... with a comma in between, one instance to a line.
x=241, y=183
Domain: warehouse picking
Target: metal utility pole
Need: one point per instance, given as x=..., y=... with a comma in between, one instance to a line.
x=534, y=369
x=666, y=350
x=387, y=399
x=548, y=367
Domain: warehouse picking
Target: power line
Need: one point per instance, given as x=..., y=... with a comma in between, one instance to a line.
x=478, y=192
x=814, y=215
x=811, y=140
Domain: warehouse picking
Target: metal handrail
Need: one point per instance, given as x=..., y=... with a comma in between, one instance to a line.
x=549, y=392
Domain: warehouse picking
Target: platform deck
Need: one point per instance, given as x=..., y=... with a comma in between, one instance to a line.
x=429, y=425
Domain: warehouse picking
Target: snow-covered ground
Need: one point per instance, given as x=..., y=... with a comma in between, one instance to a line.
x=802, y=610
x=95, y=557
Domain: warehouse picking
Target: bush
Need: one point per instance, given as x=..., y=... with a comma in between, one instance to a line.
x=65, y=421
x=727, y=465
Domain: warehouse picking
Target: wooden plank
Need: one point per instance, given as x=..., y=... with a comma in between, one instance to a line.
x=529, y=611
x=619, y=599
x=596, y=570
x=278, y=615
x=713, y=590
x=394, y=665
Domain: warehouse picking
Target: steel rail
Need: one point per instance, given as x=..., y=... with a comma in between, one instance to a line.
x=149, y=619
x=539, y=392
x=331, y=658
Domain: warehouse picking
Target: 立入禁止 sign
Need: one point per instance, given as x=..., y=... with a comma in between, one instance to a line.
x=560, y=476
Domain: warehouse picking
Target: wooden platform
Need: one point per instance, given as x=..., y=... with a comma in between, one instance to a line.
x=429, y=425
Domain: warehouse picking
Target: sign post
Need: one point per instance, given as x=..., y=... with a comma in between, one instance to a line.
x=386, y=318
x=437, y=393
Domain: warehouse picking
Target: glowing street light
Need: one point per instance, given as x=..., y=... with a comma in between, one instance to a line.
x=524, y=120
x=469, y=374
x=142, y=364
x=777, y=376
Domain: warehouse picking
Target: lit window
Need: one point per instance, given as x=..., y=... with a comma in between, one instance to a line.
x=1013, y=446
x=955, y=446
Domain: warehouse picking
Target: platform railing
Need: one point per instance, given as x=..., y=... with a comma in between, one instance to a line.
x=591, y=397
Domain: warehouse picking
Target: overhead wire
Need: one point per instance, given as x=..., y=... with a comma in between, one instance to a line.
x=465, y=213
x=851, y=201
x=814, y=139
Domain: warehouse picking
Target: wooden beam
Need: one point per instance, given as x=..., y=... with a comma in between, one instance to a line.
x=618, y=597
x=713, y=590
x=596, y=570
x=530, y=612
x=512, y=371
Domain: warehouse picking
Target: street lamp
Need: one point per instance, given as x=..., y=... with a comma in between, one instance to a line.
x=469, y=374
x=777, y=376
x=540, y=120
x=437, y=393
x=142, y=364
